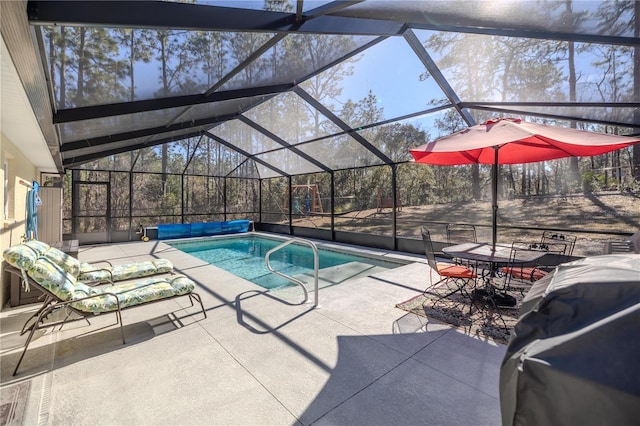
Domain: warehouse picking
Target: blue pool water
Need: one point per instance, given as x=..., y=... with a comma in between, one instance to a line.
x=244, y=257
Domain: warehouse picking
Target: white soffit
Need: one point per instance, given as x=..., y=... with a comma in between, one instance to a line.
x=18, y=122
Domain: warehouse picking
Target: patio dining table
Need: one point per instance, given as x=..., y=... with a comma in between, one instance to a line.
x=495, y=256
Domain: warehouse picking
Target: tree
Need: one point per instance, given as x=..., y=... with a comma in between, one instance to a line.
x=96, y=70
x=622, y=17
x=136, y=47
x=209, y=54
x=325, y=87
x=89, y=71
x=55, y=39
x=171, y=48
x=495, y=68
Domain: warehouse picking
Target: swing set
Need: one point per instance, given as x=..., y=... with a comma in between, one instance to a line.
x=387, y=202
x=306, y=199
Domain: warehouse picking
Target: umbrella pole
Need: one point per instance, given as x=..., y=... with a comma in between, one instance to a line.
x=494, y=198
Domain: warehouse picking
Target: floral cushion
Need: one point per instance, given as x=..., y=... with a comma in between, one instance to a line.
x=62, y=259
x=45, y=271
x=95, y=273
x=52, y=278
x=38, y=246
x=182, y=284
x=136, y=293
x=105, y=299
x=65, y=261
x=163, y=265
x=20, y=256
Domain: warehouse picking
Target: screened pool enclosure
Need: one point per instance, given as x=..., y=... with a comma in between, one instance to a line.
x=300, y=115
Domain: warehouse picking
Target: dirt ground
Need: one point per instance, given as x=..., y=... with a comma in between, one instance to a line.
x=592, y=218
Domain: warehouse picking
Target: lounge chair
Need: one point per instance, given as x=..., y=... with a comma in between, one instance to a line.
x=63, y=291
x=94, y=273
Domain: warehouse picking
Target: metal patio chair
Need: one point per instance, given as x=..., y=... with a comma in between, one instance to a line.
x=459, y=233
x=632, y=245
x=556, y=241
x=461, y=276
x=522, y=275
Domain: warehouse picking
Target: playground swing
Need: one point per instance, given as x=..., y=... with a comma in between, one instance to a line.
x=303, y=203
x=387, y=202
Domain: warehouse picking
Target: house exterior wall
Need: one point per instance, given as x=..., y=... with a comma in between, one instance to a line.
x=20, y=169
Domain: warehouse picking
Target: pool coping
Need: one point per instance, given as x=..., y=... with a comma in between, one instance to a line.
x=401, y=258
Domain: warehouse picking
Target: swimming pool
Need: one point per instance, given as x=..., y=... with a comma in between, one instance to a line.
x=244, y=256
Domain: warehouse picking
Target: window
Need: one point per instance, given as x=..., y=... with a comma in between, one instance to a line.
x=6, y=188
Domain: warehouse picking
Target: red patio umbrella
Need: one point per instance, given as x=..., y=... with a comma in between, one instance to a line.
x=513, y=141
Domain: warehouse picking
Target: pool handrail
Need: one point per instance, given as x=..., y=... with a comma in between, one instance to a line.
x=316, y=264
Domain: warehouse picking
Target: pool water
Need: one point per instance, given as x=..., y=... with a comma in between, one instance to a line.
x=244, y=257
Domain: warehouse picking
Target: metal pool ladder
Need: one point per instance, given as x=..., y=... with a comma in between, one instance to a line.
x=316, y=263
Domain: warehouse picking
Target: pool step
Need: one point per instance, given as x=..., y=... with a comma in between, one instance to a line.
x=340, y=273
x=330, y=276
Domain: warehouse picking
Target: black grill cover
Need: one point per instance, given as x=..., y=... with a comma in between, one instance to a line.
x=574, y=358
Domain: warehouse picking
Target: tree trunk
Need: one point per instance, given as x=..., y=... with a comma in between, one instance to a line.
x=52, y=68
x=132, y=61
x=81, y=63
x=606, y=169
x=512, y=181
x=574, y=171
x=165, y=92
x=63, y=61
x=475, y=178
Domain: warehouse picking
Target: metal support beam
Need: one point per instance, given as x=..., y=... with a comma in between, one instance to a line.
x=153, y=131
x=131, y=206
x=329, y=8
x=242, y=164
x=433, y=69
x=182, y=200
x=244, y=64
x=75, y=203
x=522, y=33
x=284, y=143
x=341, y=124
x=224, y=198
x=289, y=183
x=333, y=206
x=70, y=160
x=246, y=154
x=394, y=219
x=259, y=201
x=186, y=166
x=155, y=14
x=633, y=105
x=69, y=115
x=546, y=114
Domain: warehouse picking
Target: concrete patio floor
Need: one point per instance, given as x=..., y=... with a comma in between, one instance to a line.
x=259, y=358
